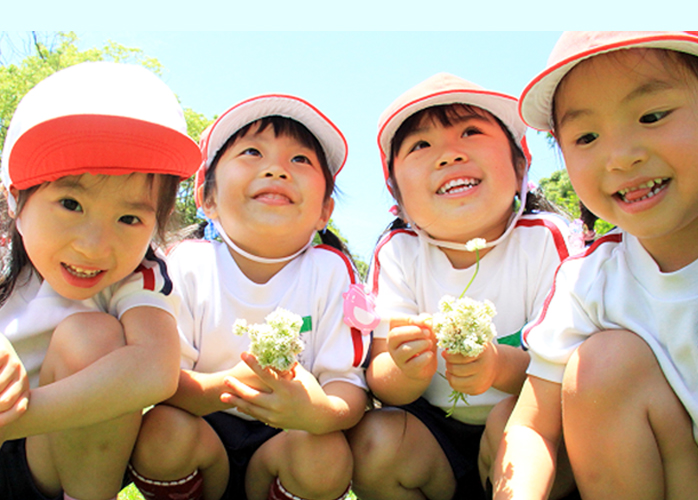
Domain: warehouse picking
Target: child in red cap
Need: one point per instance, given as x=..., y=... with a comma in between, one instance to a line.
x=88, y=338
x=614, y=352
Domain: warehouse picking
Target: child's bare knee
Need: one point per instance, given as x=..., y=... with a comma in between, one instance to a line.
x=80, y=340
x=607, y=365
x=167, y=440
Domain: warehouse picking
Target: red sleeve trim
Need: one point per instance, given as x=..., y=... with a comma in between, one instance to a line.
x=558, y=238
x=356, y=339
x=611, y=238
x=376, y=259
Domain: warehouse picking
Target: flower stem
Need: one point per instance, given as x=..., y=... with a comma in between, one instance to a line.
x=477, y=268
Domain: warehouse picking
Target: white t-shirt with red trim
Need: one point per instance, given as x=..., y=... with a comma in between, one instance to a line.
x=215, y=293
x=617, y=285
x=409, y=276
x=34, y=309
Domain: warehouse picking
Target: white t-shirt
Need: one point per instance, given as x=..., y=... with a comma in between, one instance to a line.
x=215, y=293
x=617, y=285
x=34, y=309
x=409, y=276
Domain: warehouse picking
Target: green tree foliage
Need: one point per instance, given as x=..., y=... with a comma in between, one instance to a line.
x=558, y=189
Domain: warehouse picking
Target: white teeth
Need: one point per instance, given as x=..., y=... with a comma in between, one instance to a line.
x=646, y=185
x=80, y=272
x=457, y=186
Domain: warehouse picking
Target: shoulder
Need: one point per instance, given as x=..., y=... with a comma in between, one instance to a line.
x=190, y=249
x=329, y=260
x=547, y=227
x=398, y=243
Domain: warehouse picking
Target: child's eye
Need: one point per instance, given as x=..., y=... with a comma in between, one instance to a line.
x=586, y=139
x=654, y=117
x=70, y=204
x=131, y=220
x=301, y=159
x=251, y=152
x=471, y=131
x=419, y=145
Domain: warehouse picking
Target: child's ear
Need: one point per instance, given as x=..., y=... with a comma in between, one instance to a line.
x=11, y=197
x=208, y=205
x=327, y=209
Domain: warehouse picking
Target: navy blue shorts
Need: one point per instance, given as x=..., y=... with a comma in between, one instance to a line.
x=241, y=439
x=460, y=443
x=16, y=482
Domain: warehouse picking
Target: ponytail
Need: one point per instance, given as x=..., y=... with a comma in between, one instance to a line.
x=329, y=238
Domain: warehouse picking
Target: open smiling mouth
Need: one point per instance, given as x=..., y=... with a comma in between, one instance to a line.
x=458, y=186
x=643, y=191
x=79, y=272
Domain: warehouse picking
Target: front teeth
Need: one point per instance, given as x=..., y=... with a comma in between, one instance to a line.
x=646, y=185
x=80, y=272
x=463, y=184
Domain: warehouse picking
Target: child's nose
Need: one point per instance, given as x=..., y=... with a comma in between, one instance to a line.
x=275, y=169
x=92, y=241
x=625, y=155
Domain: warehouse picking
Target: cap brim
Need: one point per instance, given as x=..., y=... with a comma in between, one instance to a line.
x=99, y=144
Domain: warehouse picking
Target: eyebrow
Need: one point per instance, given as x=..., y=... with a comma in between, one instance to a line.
x=648, y=88
x=455, y=122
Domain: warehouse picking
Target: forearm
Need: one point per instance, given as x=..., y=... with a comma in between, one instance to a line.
x=122, y=382
x=342, y=409
x=390, y=384
x=511, y=373
x=199, y=393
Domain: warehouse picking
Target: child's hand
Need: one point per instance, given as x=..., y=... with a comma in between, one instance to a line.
x=294, y=398
x=243, y=373
x=14, y=384
x=472, y=375
x=412, y=345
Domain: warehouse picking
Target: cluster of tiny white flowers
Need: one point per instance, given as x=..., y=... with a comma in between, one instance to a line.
x=464, y=326
x=276, y=343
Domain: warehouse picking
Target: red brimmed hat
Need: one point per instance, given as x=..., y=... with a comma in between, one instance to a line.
x=574, y=47
x=444, y=89
x=250, y=110
x=98, y=118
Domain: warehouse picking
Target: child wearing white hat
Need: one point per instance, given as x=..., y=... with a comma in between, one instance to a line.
x=455, y=159
x=614, y=353
x=91, y=167
x=266, y=183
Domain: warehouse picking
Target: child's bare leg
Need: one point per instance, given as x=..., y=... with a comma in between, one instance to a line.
x=628, y=436
x=397, y=457
x=489, y=444
x=308, y=466
x=172, y=444
x=89, y=463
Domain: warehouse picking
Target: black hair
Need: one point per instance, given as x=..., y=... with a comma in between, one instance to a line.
x=447, y=115
x=282, y=127
x=14, y=255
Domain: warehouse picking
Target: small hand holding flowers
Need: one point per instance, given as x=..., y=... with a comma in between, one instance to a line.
x=464, y=326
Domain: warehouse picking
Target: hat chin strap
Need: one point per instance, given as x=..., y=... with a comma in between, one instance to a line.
x=256, y=258
x=461, y=246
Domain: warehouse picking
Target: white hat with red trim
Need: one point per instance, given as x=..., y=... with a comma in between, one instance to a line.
x=444, y=89
x=99, y=118
x=573, y=47
x=250, y=110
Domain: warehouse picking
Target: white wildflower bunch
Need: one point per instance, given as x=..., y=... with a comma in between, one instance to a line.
x=463, y=325
x=275, y=343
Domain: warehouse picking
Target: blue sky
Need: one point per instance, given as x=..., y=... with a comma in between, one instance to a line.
x=352, y=77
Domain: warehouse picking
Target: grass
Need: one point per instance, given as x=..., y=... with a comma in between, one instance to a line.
x=131, y=493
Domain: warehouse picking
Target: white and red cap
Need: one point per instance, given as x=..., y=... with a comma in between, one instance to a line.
x=98, y=118
x=443, y=89
x=250, y=110
x=573, y=47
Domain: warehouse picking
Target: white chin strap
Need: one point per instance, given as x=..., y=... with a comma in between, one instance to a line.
x=461, y=246
x=256, y=258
